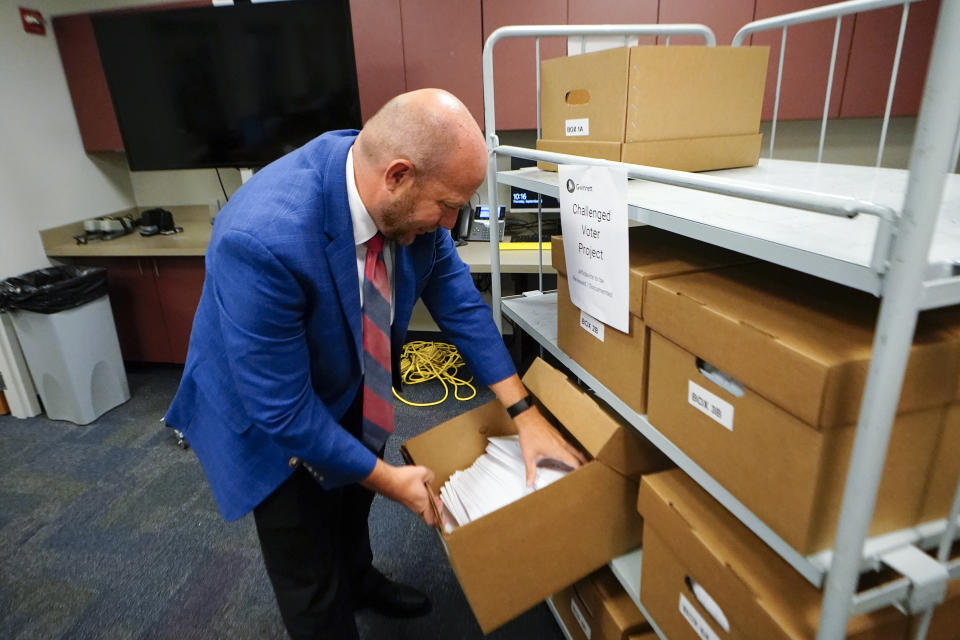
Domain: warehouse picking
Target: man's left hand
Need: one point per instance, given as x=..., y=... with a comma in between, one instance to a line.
x=539, y=441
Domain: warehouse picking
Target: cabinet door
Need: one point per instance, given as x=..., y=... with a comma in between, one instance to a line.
x=87, y=83
x=442, y=47
x=515, y=74
x=137, y=312
x=378, y=48
x=871, y=61
x=724, y=18
x=806, y=65
x=179, y=283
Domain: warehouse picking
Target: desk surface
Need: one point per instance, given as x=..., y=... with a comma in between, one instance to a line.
x=195, y=220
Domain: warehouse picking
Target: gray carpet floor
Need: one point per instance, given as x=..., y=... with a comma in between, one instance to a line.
x=109, y=530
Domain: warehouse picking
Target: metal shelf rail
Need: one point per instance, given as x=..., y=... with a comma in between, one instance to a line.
x=899, y=258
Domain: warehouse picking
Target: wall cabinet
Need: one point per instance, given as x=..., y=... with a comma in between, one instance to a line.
x=153, y=301
x=87, y=83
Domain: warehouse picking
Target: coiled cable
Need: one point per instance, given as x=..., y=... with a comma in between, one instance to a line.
x=421, y=361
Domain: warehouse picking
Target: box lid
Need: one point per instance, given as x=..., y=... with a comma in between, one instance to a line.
x=691, y=92
x=800, y=342
x=591, y=86
x=619, y=606
x=697, y=528
x=604, y=436
x=655, y=253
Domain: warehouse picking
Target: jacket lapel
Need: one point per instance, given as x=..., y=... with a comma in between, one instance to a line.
x=341, y=253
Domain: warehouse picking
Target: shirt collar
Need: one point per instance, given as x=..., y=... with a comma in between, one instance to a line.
x=363, y=225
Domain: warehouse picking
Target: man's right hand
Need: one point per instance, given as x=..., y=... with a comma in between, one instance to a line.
x=406, y=485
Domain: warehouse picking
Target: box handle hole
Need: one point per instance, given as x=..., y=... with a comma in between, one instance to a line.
x=578, y=96
x=708, y=603
x=723, y=380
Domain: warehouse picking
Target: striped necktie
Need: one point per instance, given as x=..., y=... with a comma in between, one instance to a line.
x=377, y=377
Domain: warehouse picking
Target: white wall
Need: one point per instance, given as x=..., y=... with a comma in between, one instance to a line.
x=46, y=178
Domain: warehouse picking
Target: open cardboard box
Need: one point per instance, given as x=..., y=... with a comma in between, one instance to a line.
x=779, y=436
x=689, y=108
x=690, y=539
x=517, y=556
x=619, y=360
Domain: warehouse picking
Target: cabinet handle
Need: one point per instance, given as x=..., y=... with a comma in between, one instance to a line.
x=155, y=271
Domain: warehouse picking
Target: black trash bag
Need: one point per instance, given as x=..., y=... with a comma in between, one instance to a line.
x=53, y=289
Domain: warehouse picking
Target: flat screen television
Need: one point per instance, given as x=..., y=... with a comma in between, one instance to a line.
x=228, y=86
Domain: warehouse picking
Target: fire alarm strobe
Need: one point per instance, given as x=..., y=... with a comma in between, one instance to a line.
x=33, y=21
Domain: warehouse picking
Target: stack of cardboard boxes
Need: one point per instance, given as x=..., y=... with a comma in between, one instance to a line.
x=619, y=360
x=754, y=371
x=684, y=108
x=757, y=373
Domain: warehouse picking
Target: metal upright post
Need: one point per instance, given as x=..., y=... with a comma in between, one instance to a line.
x=897, y=321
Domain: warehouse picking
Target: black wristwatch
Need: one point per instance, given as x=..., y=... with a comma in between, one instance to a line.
x=520, y=406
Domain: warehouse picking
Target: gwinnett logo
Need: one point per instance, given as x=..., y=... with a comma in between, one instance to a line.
x=571, y=186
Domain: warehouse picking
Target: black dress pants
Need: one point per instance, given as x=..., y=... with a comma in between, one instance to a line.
x=316, y=548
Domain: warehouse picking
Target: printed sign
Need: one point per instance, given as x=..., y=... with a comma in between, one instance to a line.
x=591, y=325
x=696, y=621
x=593, y=213
x=577, y=127
x=710, y=404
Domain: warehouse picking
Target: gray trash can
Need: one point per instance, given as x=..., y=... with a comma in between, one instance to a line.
x=64, y=323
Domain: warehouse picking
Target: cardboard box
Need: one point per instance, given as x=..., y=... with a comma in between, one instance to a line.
x=619, y=360
x=690, y=540
x=590, y=148
x=598, y=608
x=797, y=349
x=685, y=154
x=515, y=557
x=945, y=471
x=684, y=108
x=798, y=341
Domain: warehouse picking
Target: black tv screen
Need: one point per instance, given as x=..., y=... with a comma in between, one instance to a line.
x=229, y=86
x=525, y=201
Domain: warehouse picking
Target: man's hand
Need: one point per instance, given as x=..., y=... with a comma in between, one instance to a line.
x=539, y=440
x=406, y=485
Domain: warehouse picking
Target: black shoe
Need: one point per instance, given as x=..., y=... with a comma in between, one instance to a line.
x=392, y=598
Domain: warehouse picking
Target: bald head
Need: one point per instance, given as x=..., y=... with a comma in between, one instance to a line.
x=429, y=127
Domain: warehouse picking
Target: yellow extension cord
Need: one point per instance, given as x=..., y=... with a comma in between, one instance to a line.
x=421, y=361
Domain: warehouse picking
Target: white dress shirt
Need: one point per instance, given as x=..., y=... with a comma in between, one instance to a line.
x=364, y=229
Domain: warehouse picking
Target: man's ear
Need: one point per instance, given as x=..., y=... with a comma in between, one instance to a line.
x=398, y=172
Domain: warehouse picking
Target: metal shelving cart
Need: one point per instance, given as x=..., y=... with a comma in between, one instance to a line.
x=893, y=233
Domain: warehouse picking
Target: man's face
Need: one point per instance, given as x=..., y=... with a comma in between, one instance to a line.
x=425, y=206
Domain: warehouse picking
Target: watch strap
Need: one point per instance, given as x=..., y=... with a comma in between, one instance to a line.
x=520, y=406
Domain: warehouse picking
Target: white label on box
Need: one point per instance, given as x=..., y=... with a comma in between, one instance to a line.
x=579, y=616
x=710, y=404
x=696, y=621
x=591, y=325
x=578, y=127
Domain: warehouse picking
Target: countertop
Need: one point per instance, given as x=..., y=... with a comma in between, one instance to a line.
x=58, y=242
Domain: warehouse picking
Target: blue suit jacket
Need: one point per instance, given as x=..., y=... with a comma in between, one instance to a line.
x=275, y=352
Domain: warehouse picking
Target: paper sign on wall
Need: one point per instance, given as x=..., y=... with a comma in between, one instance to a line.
x=593, y=213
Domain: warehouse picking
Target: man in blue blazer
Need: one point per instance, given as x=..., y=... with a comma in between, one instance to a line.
x=275, y=371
